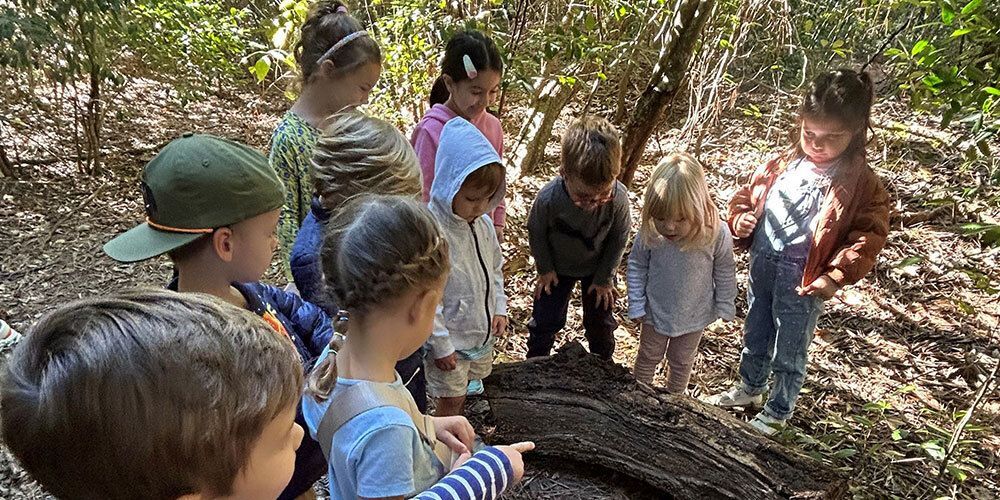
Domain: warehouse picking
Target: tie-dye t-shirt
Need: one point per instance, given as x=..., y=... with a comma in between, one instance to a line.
x=291, y=148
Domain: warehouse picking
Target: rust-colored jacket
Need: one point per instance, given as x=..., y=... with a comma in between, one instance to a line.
x=853, y=221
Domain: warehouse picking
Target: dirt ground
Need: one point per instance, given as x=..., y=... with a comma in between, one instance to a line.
x=895, y=362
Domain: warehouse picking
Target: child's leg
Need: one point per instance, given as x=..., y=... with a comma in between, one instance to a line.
x=680, y=360
x=548, y=316
x=411, y=370
x=448, y=407
x=796, y=317
x=448, y=388
x=759, y=329
x=598, y=322
x=652, y=346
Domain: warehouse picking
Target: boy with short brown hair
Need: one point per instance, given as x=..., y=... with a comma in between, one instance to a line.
x=212, y=206
x=578, y=227
x=153, y=394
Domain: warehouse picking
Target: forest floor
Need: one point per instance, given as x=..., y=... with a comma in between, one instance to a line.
x=895, y=363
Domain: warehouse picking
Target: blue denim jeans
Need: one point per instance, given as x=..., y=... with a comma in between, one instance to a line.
x=778, y=330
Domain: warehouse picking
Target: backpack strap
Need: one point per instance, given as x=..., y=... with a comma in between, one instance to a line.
x=364, y=396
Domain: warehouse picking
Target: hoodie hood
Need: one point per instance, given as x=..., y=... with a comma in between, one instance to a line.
x=463, y=149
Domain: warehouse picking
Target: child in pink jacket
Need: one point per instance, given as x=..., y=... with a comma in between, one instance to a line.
x=469, y=83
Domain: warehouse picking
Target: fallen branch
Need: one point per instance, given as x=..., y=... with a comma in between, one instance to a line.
x=576, y=407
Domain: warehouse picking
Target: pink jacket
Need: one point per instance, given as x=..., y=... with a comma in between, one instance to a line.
x=427, y=135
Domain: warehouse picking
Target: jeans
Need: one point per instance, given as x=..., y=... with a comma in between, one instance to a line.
x=778, y=330
x=548, y=316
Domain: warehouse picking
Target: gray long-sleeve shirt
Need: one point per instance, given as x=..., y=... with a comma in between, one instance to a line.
x=682, y=291
x=574, y=242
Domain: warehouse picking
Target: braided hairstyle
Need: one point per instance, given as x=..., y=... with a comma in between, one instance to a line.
x=378, y=249
x=326, y=24
x=358, y=155
x=843, y=95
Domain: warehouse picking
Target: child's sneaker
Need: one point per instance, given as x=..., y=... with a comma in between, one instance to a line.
x=767, y=424
x=475, y=388
x=737, y=396
x=8, y=336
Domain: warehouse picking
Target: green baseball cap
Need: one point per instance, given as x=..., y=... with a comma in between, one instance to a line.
x=196, y=184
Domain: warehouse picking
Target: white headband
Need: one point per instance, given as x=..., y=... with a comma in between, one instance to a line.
x=343, y=41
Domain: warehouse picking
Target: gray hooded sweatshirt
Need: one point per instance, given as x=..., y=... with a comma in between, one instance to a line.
x=474, y=292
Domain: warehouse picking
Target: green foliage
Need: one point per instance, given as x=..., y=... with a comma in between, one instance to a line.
x=867, y=440
x=951, y=64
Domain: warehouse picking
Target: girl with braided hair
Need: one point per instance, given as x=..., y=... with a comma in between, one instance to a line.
x=386, y=263
x=357, y=155
x=339, y=63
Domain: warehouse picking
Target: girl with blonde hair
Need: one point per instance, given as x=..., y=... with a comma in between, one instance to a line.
x=681, y=272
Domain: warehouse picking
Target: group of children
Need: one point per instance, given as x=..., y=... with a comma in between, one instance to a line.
x=204, y=393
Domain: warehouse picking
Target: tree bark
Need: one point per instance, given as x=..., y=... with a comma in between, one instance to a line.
x=576, y=407
x=553, y=99
x=682, y=32
x=6, y=167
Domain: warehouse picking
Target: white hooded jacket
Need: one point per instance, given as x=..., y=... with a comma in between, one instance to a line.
x=474, y=292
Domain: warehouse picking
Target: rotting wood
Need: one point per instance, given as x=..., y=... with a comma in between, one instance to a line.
x=576, y=407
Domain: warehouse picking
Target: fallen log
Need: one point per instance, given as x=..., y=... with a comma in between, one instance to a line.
x=577, y=407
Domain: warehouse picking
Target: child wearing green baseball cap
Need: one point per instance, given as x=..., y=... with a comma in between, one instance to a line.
x=212, y=206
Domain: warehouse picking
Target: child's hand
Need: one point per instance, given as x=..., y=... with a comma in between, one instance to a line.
x=499, y=325
x=499, y=230
x=745, y=225
x=545, y=283
x=605, y=295
x=456, y=432
x=824, y=287
x=513, y=453
x=447, y=363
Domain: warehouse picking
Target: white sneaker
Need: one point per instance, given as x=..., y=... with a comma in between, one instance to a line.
x=737, y=396
x=767, y=424
x=8, y=336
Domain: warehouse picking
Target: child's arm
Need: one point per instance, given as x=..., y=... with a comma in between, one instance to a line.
x=426, y=149
x=614, y=246
x=310, y=322
x=499, y=295
x=637, y=276
x=538, y=236
x=868, y=232
x=440, y=340
x=724, y=275
x=488, y=473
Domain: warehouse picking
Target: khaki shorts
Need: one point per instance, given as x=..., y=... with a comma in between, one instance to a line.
x=455, y=383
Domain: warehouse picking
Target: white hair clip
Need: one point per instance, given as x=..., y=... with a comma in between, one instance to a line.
x=343, y=41
x=470, y=69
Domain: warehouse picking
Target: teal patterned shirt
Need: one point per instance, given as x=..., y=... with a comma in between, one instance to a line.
x=291, y=150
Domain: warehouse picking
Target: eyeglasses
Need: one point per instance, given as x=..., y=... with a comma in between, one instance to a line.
x=589, y=196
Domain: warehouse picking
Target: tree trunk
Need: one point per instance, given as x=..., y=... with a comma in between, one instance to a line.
x=682, y=32
x=576, y=407
x=551, y=104
x=6, y=167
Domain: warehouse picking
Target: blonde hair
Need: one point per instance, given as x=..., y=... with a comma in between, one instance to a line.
x=678, y=188
x=380, y=249
x=592, y=151
x=359, y=155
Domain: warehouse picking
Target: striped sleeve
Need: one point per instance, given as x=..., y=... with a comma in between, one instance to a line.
x=483, y=477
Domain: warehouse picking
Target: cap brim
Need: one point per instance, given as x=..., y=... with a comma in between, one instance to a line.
x=143, y=242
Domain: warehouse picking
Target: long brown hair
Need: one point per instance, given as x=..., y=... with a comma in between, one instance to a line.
x=843, y=95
